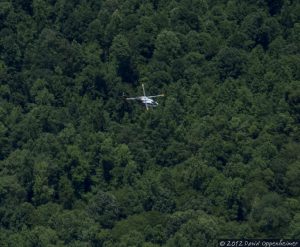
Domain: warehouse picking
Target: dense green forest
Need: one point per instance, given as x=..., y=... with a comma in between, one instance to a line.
x=218, y=158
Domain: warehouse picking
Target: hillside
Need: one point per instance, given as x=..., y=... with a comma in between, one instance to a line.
x=218, y=158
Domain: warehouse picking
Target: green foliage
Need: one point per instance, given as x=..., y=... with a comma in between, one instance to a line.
x=147, y=223
x=269, y=214
x=167, y=47
x=103, y=209
x=218, y=157
x=201, y=231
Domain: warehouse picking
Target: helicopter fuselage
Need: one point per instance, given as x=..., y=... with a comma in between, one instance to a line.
x=149, y=102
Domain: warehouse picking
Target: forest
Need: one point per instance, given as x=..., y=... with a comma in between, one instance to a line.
x=219, y=157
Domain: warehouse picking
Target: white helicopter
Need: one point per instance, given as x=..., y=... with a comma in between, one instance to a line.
x=147, y=100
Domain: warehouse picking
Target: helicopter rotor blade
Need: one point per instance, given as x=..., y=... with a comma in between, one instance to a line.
x=135, y=98
x=143, y=89
x=155, y=96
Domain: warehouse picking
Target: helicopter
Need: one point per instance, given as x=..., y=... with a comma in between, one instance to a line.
x=147, y=100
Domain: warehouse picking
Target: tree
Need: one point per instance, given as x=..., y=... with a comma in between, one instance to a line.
x=42, y=12
x=10, y=50
x=231, y=62
x=201, y=231
x=167, y=47
x=42, y=192
x=65, y=192
x=104, y=208
x=133, y=238
x=291, y=179
x=74, y=227
x=42, y=236
x=294, y=229
x=269, y=215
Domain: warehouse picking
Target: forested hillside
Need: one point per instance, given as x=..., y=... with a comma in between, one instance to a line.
x=219, y=156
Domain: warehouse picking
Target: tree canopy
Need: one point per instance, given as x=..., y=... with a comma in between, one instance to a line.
x=218, y=158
